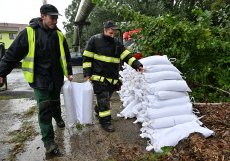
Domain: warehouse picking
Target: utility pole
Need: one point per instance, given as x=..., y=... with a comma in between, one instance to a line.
x=44, y=1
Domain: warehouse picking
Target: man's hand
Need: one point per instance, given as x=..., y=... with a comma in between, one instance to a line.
x=70, y=77
x=140, y=69
x=87, y=78
x=1, y=79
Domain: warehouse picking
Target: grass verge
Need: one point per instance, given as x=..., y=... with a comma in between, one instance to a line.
x=30, y=112
x=19, y=137
x=157, y=156
x=25, y=133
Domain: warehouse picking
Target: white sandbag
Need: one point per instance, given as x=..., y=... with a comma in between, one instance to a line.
x=155, y=60
x=184, y=109
x=83, y=101
x=138, y=108
x=147, y=130
x=159, y=68
x=171, y=136
x=127, y=100
x=164, y=95
x=139, y=94
x=168, y=85
x=128, y=111
x=71, y=116
x=170, y=121
x=153, y=102
x=124, y=92
x=141, y=117
x=163, y=75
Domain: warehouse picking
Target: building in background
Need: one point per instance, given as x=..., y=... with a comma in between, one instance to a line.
x=9, y=31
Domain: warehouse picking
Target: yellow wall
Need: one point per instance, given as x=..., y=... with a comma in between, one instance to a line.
x=6, y=39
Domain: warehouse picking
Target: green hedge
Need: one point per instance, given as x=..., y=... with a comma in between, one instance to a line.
x=202, y=50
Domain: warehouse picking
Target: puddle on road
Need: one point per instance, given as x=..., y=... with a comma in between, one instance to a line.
x=7, y=95
x=90, y=144
x=10, y=120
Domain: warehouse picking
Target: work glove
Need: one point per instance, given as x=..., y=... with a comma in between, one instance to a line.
x=2, y=81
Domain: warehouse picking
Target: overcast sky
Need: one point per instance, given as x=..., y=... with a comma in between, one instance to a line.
x=22, y=11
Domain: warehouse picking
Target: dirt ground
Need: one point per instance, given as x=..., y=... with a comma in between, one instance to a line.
x=214, y=148
x=18, y=115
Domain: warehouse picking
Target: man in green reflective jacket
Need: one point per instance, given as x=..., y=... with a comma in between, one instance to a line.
x=46, y=60
x=101, y=61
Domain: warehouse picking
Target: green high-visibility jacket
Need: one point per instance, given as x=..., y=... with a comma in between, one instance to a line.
x=28, y=61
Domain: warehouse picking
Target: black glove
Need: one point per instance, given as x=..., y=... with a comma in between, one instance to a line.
x=118, y=86
x=2, y=81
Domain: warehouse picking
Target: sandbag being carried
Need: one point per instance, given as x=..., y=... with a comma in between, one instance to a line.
x=69, y=104
x=82, y=95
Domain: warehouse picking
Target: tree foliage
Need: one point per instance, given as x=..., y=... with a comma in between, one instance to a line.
x=70, y=13
x=196, y=32
x=201, y=47
x=96, y=18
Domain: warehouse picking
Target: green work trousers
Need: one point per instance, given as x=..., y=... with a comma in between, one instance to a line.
x=49, y=107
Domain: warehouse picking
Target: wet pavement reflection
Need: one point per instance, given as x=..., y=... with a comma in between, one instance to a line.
x=89, y=144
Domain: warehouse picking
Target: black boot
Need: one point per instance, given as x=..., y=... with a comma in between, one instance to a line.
x=61, y=123
x=108, y=127
x=52, y=149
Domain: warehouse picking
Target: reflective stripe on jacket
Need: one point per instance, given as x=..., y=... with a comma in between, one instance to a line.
x=102, y=57
x=28, y=61
x=102, y=79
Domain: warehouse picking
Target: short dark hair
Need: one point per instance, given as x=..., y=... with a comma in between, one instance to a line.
x=110, y=24
x=49, y=9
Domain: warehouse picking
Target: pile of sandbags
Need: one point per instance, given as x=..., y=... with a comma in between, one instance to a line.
x=159, y=100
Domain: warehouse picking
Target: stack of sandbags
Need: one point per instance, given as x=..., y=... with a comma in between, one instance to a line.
x=131, y=92
x=159, y=100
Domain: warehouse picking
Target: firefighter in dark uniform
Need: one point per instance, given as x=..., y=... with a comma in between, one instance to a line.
x=101, y=60
x=46, y=60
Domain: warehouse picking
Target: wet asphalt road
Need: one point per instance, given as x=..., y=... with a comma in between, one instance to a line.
x=89, y=144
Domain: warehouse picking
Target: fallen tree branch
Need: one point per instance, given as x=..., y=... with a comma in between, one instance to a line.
x=216, y=88
x=210, y=86
x=204, y=104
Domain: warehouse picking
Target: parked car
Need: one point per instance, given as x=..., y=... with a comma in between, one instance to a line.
x=2, y=49
x=2, y=53
x=76, y=59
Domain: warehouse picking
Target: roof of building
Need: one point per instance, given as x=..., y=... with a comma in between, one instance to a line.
x=12, y=27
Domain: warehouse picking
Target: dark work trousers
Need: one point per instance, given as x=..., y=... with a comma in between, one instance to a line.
x=103, y=91
x=49, y=107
